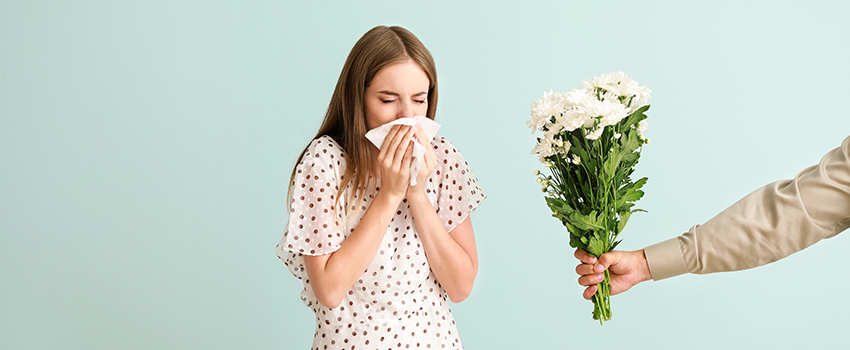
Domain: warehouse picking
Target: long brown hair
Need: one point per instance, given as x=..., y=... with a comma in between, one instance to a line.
x=345, y=119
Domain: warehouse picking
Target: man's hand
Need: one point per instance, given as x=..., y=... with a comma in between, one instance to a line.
x=626, y=268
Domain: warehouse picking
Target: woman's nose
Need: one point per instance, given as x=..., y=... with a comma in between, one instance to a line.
x=405, y=110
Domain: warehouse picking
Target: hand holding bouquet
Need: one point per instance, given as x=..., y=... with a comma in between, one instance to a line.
x=592, y=138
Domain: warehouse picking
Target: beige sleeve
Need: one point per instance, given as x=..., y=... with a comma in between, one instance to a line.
x=767, y=225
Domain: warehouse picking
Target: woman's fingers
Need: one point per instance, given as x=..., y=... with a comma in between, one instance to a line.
x=407, y=159
x=402, y=149
x=420, y=134
x=388, y=146
x=394, y=147
x=423, y=140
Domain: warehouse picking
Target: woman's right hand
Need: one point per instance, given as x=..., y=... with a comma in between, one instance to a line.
x=394, y=161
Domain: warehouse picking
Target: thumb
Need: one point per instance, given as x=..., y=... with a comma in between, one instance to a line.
x=606, y=260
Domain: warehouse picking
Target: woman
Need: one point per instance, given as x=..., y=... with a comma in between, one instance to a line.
x=378, y=257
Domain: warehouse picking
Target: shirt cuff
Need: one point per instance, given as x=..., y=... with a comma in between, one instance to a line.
x=665, y=259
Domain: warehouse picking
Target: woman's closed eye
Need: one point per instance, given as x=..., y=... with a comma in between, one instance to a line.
x=416, y=101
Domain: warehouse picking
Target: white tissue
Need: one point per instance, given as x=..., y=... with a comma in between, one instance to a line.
x=430, y=127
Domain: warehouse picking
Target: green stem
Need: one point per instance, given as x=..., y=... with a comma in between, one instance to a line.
x=602, y=300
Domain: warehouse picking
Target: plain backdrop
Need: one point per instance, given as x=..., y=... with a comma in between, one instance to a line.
x=145, y=151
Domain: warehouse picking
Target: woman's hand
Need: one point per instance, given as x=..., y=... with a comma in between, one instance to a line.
x=394, y=161
x=626, y=268
x=429, y=162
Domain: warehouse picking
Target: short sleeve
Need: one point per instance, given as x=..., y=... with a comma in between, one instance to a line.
x=314, y=223
x=459, y=193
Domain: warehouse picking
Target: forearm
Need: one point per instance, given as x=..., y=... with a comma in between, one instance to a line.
x=332, y=275
x=454, y=266
x=767, y=225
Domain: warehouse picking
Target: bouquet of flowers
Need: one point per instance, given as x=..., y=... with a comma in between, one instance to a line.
x=592, y=138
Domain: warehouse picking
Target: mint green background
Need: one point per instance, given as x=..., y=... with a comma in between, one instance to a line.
x=145, y=150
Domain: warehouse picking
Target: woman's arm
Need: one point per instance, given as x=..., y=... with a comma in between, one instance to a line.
x=452, y=255
x=332, y=275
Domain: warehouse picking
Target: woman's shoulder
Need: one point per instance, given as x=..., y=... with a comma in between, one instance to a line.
x=324, y=142
x=325, y=151
x=444, y=148
x=440, y=142
x=324, y=147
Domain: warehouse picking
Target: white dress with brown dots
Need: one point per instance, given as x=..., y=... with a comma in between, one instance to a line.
x=397, y=303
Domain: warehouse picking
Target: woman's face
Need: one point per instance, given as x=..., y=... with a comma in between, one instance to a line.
x=399, y=90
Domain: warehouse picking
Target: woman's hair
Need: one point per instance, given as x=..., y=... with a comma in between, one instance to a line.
x=345, y=119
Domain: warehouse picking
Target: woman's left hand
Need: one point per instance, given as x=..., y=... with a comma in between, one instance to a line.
x=429, y=162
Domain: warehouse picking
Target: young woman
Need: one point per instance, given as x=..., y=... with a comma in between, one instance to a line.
x=378, y=257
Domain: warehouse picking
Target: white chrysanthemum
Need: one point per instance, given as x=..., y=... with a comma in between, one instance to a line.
x=603, y=81
x=570, y=120
x=576, y=159
x=641, y=127
x=564, y=147
x=557, y=145
x=578, y=97
x=617, y=86
x=543, y=109
x=635, y=96
x=609, y=112
x=544, y=148
x=624, y=89
x=595, y=133
x=589, y=113
x=610, y=97
x=642, y=94
x=543, y=160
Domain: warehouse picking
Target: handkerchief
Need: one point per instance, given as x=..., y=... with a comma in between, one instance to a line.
x=377, y=136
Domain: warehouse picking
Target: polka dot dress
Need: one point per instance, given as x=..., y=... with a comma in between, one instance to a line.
x=397, y=303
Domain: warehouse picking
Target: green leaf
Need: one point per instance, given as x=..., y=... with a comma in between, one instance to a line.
x=633, y=195
x=571, y=228
x=559, y=206
x=576, y=243
x=586, y=222
x=624, y=218
x=595, y=247
x=635, y=117
x=611, y=165
x=614, y=246
x=630, y=159
x=623, y=206
x=639, y=183
x=578, y=146
x=630, y=141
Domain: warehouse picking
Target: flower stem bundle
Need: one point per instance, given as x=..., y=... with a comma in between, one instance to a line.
x=592, y=139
